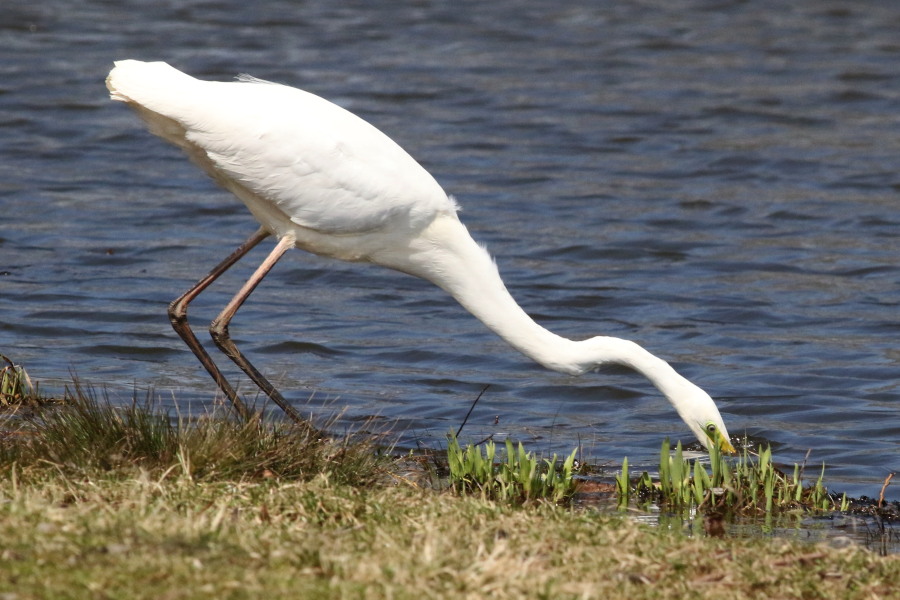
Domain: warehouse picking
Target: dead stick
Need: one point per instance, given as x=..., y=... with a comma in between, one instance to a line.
x=471, y=408
x=804, y=559
x=887, y=481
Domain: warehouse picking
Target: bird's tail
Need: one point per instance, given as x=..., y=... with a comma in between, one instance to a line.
x=162, y=96
x=144, y=83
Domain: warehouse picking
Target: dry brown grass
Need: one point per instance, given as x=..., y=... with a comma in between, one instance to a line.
x=171, y=537
x=105, y=502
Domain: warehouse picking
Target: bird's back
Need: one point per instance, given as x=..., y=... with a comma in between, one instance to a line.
x=288, y=154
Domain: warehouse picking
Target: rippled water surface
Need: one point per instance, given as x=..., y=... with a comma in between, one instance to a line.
x=717, y=181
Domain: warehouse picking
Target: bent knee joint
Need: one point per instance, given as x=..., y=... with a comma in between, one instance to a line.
x=218, y=330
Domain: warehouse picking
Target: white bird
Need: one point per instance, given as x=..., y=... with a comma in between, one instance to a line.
x=321, y=179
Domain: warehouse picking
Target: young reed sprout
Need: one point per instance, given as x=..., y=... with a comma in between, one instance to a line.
x=623, y=485
x=519, y=479
x=749, y=485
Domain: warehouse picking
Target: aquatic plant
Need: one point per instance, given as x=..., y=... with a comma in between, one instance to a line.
x=519, y=479
x=751, y=484
x=15, y=384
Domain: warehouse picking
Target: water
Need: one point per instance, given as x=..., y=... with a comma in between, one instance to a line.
x=717, y=181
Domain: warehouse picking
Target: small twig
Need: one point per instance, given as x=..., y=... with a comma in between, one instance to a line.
x=803, y=559
x=471, y=408
x=887, y=482
x=803, y=464
x=485, y=440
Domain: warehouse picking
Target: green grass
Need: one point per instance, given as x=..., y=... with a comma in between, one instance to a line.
x=749, y=484
x=86, y=436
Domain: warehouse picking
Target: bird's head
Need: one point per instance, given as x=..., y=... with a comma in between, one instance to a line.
x=701, y=414
x=713, y=433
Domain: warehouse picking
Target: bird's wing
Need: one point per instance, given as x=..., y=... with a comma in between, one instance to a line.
x=322, y=166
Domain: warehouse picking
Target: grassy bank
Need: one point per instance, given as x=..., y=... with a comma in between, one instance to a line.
x=102, y=502
x=170, y=537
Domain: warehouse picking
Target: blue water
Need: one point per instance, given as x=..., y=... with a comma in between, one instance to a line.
x=717, y=181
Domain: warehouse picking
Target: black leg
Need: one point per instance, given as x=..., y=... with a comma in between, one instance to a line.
x=178, y=317
x=219, y=331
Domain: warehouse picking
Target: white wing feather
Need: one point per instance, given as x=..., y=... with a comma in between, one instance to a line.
x=323, y=167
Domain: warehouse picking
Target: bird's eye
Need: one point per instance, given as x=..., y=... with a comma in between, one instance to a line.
x=711, y=428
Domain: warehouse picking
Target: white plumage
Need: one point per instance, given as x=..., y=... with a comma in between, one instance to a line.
x=319, y=178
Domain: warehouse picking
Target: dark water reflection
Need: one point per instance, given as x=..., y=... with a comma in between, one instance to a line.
x=717, y=181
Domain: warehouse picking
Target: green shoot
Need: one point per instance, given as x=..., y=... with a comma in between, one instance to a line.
x=746, y=485
x=520, y=479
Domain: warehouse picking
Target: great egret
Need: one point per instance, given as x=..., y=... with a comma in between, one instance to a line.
x=320, y=178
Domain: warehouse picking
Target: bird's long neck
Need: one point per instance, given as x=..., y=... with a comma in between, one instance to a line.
x=445, y=254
